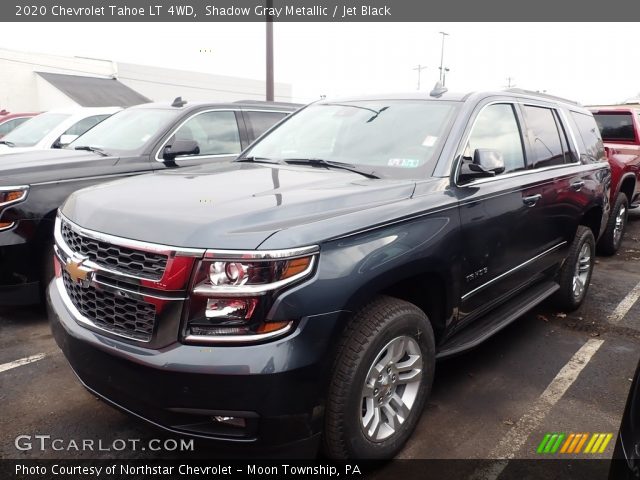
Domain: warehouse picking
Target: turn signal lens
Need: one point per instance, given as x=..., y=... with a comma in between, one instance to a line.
x=6, y=225
x=13, y=195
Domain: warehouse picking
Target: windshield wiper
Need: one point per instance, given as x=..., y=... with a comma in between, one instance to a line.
x=257, y=160
x=7, y=143
x=319, y=162
x=92, y=149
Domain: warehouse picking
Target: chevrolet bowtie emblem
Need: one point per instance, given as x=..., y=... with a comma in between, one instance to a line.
x=78, y=272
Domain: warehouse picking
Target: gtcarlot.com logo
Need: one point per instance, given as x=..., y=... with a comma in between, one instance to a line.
x=43, y=443
x=574, y=443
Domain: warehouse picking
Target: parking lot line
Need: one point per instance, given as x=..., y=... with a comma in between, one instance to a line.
x=625, y=305
x=517, y=436
x=22, y=361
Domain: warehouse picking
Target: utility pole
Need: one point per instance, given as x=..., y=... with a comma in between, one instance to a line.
x=419, y=68
x=444, y=34
x=509, y=84
x=269, y=53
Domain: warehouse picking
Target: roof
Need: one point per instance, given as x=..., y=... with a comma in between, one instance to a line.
x=238, y=105
x=93, y=91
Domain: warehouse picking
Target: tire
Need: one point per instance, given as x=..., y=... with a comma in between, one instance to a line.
x=385, y=325
x=613, y=234
x=577, y=265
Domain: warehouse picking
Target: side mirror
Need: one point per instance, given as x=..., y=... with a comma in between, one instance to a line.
x=64, y=140
x=180, y=147
x=485, y=163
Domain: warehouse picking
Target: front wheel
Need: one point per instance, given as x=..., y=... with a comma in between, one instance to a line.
x=575, y=274
x=612, y=236
x=382, y=376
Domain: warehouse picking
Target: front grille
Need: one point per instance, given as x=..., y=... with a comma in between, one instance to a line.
x=126, y=260
x=124, y=316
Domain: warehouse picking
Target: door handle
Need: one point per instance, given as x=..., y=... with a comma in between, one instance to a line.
x=577, y=186
x=532, y=200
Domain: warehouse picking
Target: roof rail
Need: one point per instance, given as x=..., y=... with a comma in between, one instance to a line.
x=265, y=102
x=544, y=95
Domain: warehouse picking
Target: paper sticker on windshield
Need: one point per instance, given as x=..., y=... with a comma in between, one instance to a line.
x=404, y=162
x=429, y=141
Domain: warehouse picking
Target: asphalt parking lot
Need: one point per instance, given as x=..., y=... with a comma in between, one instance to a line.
x=547, y=372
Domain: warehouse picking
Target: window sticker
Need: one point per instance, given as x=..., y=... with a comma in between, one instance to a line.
x=429, y=141
x=404, y=162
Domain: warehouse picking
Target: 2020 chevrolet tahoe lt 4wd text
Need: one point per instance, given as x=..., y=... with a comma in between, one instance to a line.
x=305, y=291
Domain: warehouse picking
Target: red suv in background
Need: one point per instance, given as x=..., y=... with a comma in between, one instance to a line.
x=620, y=130
x=9, y=121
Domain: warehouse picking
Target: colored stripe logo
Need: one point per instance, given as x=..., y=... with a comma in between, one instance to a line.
x=574, y=443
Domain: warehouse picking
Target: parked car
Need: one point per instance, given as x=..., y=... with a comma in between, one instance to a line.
x=53, y=129
x=619, y=129
x=10, y=121
x=137, y=140
x=305, y=291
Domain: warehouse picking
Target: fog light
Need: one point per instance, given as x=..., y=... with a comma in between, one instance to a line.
x=231, y=421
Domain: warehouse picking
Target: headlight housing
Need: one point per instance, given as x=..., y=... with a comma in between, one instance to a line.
x=11, y=195
x=232, y=292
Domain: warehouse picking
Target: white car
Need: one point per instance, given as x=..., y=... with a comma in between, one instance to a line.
x=54, y=129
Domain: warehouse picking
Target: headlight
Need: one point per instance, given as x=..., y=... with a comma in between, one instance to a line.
x=232, y=292
x=10, y=196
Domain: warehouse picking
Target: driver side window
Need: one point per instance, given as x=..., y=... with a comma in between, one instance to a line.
x=496, y=128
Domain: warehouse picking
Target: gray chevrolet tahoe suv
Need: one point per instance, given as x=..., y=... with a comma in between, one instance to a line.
x=305, y=291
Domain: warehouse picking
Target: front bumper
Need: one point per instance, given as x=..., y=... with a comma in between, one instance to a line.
x=277, y=387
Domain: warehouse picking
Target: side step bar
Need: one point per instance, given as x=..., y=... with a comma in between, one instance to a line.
x=483, y=328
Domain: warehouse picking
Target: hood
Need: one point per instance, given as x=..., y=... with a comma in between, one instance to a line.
x=46, y=165
x=6, y=149
x=232, y=205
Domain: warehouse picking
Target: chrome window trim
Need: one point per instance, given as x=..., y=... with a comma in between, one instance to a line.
x=238, y=338
x=225, y=291
x=81, y=319
x=218, y=155
x=126, y=242
x=10, y=188
x=465, y=140
x=513, y=270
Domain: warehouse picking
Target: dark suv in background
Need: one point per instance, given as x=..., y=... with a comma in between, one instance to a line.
x=305, y=291
x=141, y=139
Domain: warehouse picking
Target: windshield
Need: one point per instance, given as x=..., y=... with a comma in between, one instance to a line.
x=35, y=129
x=389, y=137
x=126, y=131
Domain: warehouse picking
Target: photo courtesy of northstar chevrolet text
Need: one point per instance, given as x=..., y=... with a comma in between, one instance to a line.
x=318, y=239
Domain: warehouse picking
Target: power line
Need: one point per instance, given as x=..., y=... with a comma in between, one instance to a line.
x=419, y=68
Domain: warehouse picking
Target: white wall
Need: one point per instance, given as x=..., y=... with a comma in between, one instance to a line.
x=22, y=90
x=162, y=84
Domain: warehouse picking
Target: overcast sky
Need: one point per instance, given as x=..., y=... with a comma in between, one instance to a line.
x=590, y=63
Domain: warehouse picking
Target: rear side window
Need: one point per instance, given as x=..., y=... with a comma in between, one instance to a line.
x=590, y=136
x=260, y=122
x=546, y=137
x=615, y=127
